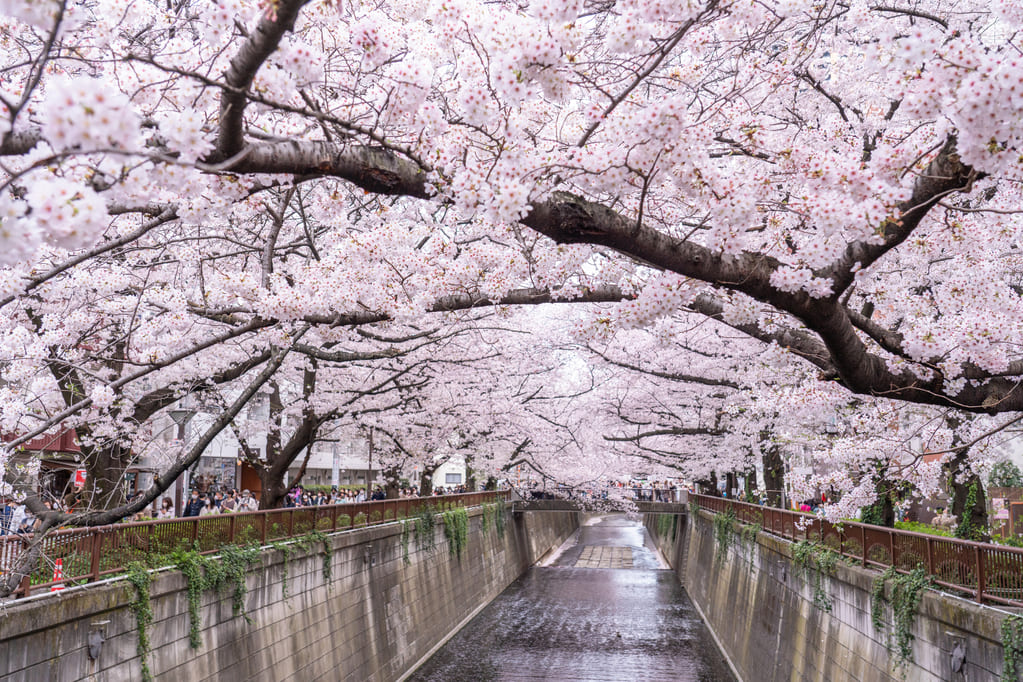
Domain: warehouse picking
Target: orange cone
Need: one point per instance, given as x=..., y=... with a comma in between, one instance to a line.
x=58, y=576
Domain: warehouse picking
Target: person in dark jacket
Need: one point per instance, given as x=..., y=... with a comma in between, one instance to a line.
x=194, y=505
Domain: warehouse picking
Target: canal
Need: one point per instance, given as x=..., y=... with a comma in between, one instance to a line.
x=604, y=607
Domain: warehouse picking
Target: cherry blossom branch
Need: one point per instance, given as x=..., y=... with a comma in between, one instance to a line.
x=261, y=43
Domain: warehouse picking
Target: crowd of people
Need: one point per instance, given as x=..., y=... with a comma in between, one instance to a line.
x=15, y=517
x=231, y=500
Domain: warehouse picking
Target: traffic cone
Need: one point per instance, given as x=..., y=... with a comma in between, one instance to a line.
x=58, y=576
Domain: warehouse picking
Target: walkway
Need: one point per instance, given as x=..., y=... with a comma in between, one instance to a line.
x=604, y=608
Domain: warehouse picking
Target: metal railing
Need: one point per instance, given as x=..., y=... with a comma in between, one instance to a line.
x=987, y=572
x=90, y=554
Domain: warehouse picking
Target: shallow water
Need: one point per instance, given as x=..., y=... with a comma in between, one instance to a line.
x=569, y=622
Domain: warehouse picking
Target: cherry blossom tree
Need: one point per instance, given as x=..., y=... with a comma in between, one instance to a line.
x=189, y=189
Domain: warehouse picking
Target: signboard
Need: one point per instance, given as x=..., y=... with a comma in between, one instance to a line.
x=79, y=478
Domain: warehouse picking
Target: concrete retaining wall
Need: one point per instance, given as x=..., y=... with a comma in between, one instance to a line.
x=760, y=607
x=375, y=620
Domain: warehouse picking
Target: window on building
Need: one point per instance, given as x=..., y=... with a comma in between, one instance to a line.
x=452, y=479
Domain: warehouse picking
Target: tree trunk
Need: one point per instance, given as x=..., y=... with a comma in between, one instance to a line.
x=392, y=483
x=731, y=484
x=774, y=472
x=709, y=486
x=426, y=481
x=274, y=489
x=104, y=477
x=969, y=503
x=750, y=478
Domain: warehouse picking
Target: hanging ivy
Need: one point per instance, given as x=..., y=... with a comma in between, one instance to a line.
x=664, y=525
x=190, y=564
x=816, y=562
x=234, y=563
x=286, y=549
x=141, y=580
x=425, y=520
x=500, y=516
x=966, y=528
x=907, y=591
x=488, y=517
x=1012, y=647
x=309, y=541
x=456, y=530
x=748, y=540
x=724, y=529
x=406, y=531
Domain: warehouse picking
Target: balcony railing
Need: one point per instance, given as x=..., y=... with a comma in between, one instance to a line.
x=90, y=554
x=988, y=573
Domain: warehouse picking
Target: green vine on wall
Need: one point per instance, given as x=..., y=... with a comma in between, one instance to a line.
x=286, y=549
x=966, y=529
x=456, y=530
x=748, y=540
x=317, y=537
x=816, y=562
x=1012, y=647
x=724, y=529
x=190, y=564
x=406, y=531
x=664, y=525
x=493, y=515
x=425, y=520
x=140, y=579
x=234, y=564
x=907, y=591
x=488, y=518
x=500, y=516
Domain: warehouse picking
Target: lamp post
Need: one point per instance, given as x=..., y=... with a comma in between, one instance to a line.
x=369, y=474
x=181, y=416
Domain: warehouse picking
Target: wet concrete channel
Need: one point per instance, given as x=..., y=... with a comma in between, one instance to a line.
x=604, y=607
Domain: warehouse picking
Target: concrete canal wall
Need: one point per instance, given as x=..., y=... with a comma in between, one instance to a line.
x=375, y=619
x=760, y=606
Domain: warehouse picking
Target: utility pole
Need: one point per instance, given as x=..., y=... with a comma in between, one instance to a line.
x=181, y=417
x=369, y=474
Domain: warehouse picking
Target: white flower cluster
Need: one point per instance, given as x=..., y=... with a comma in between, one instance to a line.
x=791, y=280
x=183, y=133
x=88, y=113
x=66, y=213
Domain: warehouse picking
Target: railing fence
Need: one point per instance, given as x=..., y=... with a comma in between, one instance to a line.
x=89, y=554
x=987, y=572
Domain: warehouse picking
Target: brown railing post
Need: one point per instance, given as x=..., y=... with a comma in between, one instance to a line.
x=979, y=558
x=863, y=544
x=97, y=542
x=195, y=530
x=231, y=529
x=930, y=557
x=891, y=547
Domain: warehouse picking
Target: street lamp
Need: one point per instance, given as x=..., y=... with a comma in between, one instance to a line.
x=181, y=416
